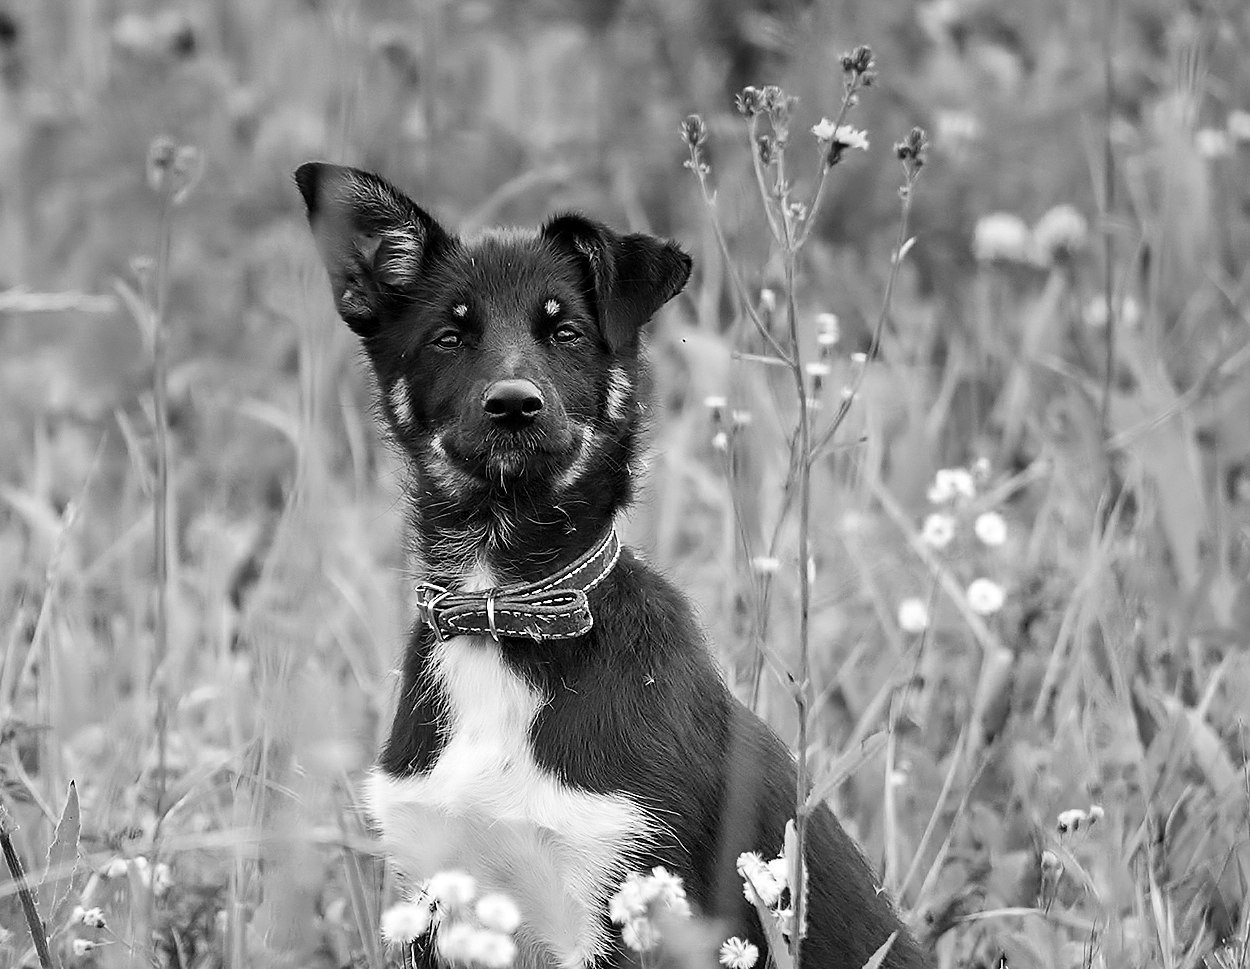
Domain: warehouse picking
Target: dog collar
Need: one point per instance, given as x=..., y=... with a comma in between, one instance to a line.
x=556, y=607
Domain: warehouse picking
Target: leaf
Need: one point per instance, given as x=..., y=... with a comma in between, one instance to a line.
x=878, y=957
x=848, y=762
x=58, y=877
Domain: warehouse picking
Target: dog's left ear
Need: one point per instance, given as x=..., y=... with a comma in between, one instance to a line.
x=629, y=277
x=374, y=240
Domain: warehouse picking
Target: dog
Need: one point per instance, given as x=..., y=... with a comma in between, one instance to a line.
x=560, y=721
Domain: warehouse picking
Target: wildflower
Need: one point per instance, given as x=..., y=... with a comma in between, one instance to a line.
x=738, y=953
x=406, y=922
x=765, y=564
x=720, y=441
x=913, y=616
x=640, y=935
x=749, y=102
x=1238, y=125
x=827, y=330
x=838, y=139
x=991, y=528
x=1060, y=233
x=1051, y=865
x=741, y=418
x=1001, y=237
x=498, y=912
x=768, y=300
x=94, y=917
x=859, y=357
x=162, y=879
x=1096, y=313
x=955, y=129
x=639, y=899
x=951, y=483
x=1096, y=813
x=913, y=148
x=83, y=946
x=115, y=868
x=981, y=470
x=1071, y=820
x=455, y=941
x=715, y=404
x=817, y=368
x=859, y=63
x=142, y=868
x=453, y=889
x=938, y=530
x=985, y=597
x=495, y=950
x=1213, y=143
x=759, y=884
x=693, y=131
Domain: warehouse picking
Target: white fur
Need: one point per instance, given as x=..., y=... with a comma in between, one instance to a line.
x=487, y=806
x=400, y=402
x=619, y=390
x=552, y=307
x=578, y=467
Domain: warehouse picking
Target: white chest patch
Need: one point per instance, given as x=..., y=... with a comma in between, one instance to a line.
x=487, y=807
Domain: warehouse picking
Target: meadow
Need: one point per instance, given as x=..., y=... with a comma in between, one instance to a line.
x=1028, y=409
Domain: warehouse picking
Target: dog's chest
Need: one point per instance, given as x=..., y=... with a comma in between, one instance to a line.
x=497, y=812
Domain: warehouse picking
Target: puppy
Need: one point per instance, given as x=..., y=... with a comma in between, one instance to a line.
x=560, y=721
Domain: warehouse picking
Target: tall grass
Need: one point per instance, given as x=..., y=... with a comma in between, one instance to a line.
x=1100, y=376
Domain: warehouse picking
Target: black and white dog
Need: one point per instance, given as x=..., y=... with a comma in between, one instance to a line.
x=560, y=721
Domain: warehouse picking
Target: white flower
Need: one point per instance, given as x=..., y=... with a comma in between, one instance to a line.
x=453, y=889
x=498, y=912
x=951, y=483
x=938, y=530
x=83, y=946
x=495, y=950
x=1096, y=813
x=162, y=879
x=1071, y=820
x=1002, y=236
x=715, y=402
x=1213, y=143
x=142, y=868
x=991, y=528
x=817, y=368
x=93, y=917
x=741, y=418
x=825, y=130
x=405, y=922
x=738, y=953
x=955, y=129
x=780, y=871
x=913, y=616
x=720, y=441
x=640, y=935
x=765, y=564
x=827, y=329
x=768, y=300
x=115, y=868
x=1096, y=315
x=1238, y=125
x=455, y=941
x=1061, y=231
x=629, y=902
x=985, y=597
x=758, y=883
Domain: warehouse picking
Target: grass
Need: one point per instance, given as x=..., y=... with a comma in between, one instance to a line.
x=1114, y=674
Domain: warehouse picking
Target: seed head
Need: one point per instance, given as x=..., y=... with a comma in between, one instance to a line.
x=749, y=102
x=913, y=149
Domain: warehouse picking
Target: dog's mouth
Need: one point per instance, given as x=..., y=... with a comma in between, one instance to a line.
x=498, y=456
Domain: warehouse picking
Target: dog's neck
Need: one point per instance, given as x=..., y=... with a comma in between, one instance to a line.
x=506, y=536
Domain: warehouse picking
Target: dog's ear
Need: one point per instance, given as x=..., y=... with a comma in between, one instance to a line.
x=373, y=239
x=628, y=277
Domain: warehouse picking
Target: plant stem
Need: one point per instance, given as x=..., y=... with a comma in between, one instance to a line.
x=160, y=508
x=37, y=933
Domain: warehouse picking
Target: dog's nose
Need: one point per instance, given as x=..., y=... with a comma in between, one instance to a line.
x=512, y=401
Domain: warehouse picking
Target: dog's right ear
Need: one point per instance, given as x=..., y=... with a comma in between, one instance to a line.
x=373, y=239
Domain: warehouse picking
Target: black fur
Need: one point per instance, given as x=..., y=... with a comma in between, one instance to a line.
x=637, y=706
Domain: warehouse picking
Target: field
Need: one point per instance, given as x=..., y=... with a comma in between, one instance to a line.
x=1029, y=407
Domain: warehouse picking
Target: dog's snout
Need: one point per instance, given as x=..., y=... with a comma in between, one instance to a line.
x=512, y=402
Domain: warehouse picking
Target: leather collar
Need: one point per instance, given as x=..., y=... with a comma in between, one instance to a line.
x=556, y=607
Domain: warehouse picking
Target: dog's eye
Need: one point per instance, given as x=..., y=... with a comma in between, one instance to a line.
x=565, y=334
x=450, y=340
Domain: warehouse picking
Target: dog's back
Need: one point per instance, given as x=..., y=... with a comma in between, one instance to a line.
x=560, y=722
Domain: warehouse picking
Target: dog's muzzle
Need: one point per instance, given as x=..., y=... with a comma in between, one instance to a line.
x=556, y=607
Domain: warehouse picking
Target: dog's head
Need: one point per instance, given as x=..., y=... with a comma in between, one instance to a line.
x=504, y=361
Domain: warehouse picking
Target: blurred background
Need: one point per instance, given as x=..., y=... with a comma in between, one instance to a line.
x=1056, y=624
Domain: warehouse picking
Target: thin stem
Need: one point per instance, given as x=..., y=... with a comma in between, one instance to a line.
x=1108, y=243
x=875, y=347
x=813, y=205
x=33, y=922
x=761, y=179
x=160, y=510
